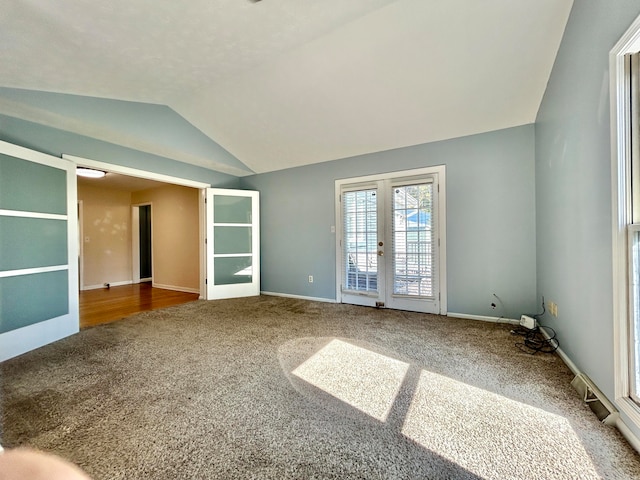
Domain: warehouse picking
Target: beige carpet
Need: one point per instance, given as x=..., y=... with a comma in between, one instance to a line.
x=272, y=388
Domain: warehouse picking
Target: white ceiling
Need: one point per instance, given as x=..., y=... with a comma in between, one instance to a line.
x=282, y=83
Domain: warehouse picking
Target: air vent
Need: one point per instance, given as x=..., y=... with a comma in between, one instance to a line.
x=592, y=396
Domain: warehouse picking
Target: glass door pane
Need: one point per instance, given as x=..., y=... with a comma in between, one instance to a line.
x=412, y=240
x=360, y=245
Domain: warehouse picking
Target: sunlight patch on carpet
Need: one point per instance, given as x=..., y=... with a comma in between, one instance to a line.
x=366, y=380
x=491, y=435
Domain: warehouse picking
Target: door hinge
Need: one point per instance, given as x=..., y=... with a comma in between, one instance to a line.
x=206, y=281
x=340, y=198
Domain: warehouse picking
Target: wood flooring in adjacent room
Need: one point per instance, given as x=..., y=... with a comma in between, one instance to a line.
x=110, y=304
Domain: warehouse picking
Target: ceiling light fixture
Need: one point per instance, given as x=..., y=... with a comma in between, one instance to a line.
x=89, y=172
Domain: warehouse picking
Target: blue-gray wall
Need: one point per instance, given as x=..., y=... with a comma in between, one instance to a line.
x=490, y=220
x=57, y=142
x=573, y=187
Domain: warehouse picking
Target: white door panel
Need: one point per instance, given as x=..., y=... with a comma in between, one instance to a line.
x=233, y=243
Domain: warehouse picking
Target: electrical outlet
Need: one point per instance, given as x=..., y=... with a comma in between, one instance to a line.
x=553, y=308
x=310, y=278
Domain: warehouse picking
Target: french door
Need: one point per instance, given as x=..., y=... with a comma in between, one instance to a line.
x=232, y=243
x=389, y=242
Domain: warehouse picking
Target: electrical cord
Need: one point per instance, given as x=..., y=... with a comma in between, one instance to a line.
x=539, y=339
x=534, y=340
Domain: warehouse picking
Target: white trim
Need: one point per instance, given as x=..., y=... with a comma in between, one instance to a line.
x=80, y=243
x=24, y=339
x=31, y=271
x=440, y=171
x=299, y=297
x=135, y=243
x=45, y=216
x=620, y=151
x=628, y=434
x=176, y=288
x=133, y=172
x=483, y=318
x=23, y=153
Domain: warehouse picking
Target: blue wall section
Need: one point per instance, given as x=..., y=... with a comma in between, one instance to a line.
x=490, y=215
x=56, y=142
x=573, y=187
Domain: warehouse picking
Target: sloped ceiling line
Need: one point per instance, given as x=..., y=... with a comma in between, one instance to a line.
x=284, y=83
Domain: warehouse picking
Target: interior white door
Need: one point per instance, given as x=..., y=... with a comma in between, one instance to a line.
x=38, y=250
x=232, y=243
x=389, y=243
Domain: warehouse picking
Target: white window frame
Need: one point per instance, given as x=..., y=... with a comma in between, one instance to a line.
x=620, y=97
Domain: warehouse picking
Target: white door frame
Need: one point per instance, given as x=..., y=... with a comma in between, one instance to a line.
x=438, y=170
x=134, y=172
x=135, y=242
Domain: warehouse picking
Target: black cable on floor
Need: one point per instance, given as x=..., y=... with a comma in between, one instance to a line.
x=534, y=340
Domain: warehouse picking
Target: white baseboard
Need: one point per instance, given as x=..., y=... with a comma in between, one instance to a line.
x=111, y=284
x=565, y=358
x=483, y=318
x=300, y=297
x=620, y=425
x=628, y=434
x=176, y=288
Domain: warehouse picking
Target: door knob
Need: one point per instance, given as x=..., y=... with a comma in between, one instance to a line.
x=380, y=253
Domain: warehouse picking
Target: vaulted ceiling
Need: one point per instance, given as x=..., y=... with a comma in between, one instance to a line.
x=240, y=86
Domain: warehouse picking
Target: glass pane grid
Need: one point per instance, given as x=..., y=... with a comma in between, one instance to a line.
x=360, y=258
x=413, y=241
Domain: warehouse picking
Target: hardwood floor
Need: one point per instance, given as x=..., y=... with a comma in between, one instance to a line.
x=115, y=303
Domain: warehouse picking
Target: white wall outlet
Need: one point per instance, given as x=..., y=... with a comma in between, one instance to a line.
x=310, y=278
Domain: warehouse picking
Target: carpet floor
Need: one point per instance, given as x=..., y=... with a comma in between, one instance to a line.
x=273, y=388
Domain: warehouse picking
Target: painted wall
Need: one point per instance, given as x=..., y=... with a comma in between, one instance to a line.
x=175, y=236
x=573, y=188
x=490, y=220
x=106, y=236
x=57, y=142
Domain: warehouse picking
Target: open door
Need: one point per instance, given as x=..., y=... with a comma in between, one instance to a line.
x=38, y=250
x=232, y=243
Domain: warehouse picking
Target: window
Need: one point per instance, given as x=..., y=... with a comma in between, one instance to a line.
x=625, y=123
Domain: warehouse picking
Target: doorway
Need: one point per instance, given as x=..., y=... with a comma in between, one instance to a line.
x=141, y=243
x=390, y=241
